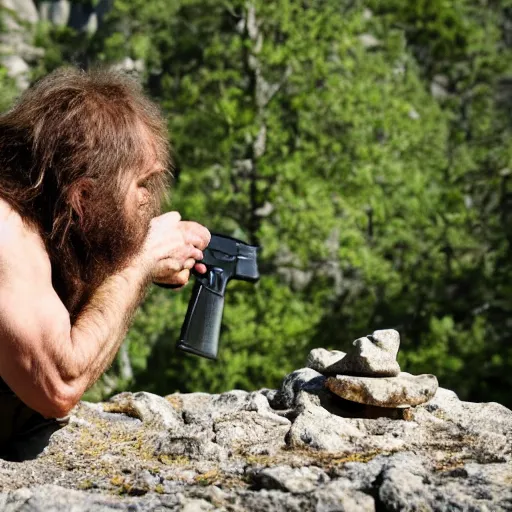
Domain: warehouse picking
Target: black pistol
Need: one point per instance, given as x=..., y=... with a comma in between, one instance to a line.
x=225, y=258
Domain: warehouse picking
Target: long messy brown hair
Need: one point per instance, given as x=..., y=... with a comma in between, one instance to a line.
x=78, y=138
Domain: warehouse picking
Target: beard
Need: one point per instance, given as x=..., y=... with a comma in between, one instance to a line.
x=104, y=243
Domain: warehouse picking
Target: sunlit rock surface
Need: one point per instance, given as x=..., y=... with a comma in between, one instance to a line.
x=400, y=391
x=300, y=448
x=371, y=356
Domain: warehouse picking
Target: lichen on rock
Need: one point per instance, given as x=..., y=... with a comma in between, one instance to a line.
x=298, y=448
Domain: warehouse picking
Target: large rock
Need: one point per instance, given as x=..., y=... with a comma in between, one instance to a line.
x=404, y=390
x=16, y=39
x=17, y=69
x=24, y=11
x=147, y=407
x=55, y=11
x=300, y=448
x=18, y=53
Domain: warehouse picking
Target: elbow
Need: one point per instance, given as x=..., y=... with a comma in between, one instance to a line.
x=61, y=409
x=60, y=401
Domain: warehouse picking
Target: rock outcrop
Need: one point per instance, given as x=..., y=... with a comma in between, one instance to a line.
x=19, y=18
x=299, y=448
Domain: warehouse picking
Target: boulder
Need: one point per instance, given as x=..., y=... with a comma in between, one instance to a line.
x=299, y=448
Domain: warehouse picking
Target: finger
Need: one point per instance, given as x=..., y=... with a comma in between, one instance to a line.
x=173, y=287
x=181, y=278
x=189, y=264
x=172, y=216
x=198, y=234
x=165, y=269
x=195, y=253
x=200, y=267
x=194, y=239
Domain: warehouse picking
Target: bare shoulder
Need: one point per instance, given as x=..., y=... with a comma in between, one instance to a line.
x=21, y=246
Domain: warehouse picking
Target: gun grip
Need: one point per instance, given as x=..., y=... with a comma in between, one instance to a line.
x=201, y=327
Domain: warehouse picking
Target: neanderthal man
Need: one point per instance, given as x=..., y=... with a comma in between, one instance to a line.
x=83, y=170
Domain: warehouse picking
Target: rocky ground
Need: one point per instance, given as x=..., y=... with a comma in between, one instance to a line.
x=300, y=448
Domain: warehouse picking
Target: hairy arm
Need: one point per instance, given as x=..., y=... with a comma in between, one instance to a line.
x=104, y=321
x=45, y=360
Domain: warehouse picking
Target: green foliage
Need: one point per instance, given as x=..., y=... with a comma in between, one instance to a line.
x=8, y=90
x=354, y=154
x=365, y=147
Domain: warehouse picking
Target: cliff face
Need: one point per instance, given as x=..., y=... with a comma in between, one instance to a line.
x=299, y=448
x=19, y=18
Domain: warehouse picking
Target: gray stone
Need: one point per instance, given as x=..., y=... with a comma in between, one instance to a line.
x=55, y=11
x=369, y=41
x=147, y=407
x=387, y=340
x=334, y=498
x=319, y=358
x=373, y=356
x=296, y=480
x=25, y=10
x=52, y=498
x=197, y=506
x=404, y=390
x=303, y=379
x=235, y=451
x=17, y=69
x=317, y=429
x=270, y=500
x=251, y=432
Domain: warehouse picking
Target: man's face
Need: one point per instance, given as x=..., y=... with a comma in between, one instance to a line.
x=140, y=198
x=141, y=202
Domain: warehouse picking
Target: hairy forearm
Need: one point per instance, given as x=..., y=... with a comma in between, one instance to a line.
x=102, y=325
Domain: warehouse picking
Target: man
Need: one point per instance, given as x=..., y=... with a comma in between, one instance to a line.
x=83, y=159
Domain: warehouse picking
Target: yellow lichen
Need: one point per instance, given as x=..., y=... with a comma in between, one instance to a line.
x=117, y=480
x=180, y=460
x=175, y=401
x=84, y=485
x=208, y=478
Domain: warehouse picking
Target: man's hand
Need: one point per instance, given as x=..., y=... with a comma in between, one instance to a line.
x=172, y=248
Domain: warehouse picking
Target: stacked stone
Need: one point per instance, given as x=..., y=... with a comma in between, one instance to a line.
x=370, y=374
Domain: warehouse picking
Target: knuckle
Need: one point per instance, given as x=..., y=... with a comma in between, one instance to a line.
x=183, y=277
x=172, y=266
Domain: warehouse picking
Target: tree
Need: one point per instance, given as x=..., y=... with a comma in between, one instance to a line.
x=365, y=147
x=328, y=153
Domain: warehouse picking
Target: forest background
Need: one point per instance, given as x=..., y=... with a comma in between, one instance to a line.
x=365, y=145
